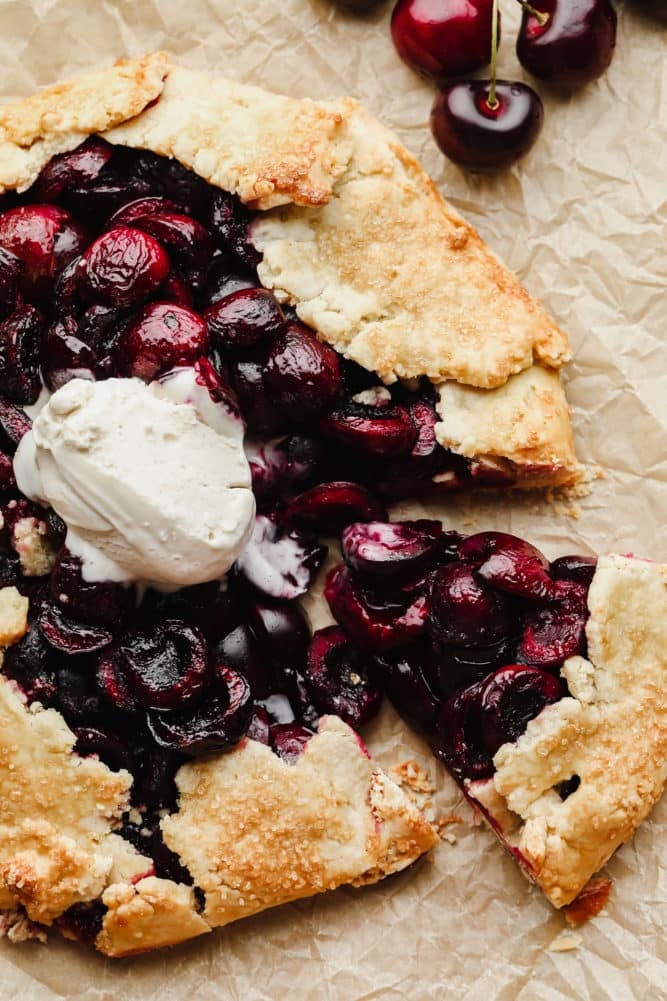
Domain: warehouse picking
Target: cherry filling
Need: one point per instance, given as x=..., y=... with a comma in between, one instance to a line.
x=466, y=636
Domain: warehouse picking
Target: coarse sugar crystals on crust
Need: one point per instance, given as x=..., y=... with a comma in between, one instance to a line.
x=611, y=733
x=255, y=831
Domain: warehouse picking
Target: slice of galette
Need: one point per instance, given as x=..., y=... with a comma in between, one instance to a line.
x=541, y=686
x=183, y=260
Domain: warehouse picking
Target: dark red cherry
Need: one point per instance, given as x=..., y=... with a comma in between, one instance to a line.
x=213, y=607
x=575, y=44
x=511, y=697
x=69, y=636
x=112, y=684
x=245, y=319
x=441, y=38
x=260, y=726
x=460, y=743
x=222, y=280
x=303, y=375
x=460, y=666
x=327, y=507
x=577, y=568
x=164, y=335
x=14, y=423
x=283, y=465
x=10, y=273
x=556, y=631
x=98, y=199
x=175, y=289
x=78, y=700
x=45, y=238
x=482, y=137
x=104, y=743
x=288, y=740
x=408, y=677
x=292, y=698
x=229, y=222
x=122, y=267
x=280, y=562
x=154, y=787
x=76, y=169
x=64, y=356
x=241, y=650
x=370, y=430
x=509, y=564
x=20, y=336
x=29, y=664
x=140, y=208
x=165, y=665
x=411, y=474
x=168, y=177
x=374, y=621
x=465, y=611
x=282, y=631
x=214, y=724
x=339, y=678
x=390, y=551
x=83, y=921
x=98, y=603
x=187, y=242
x=260, y=413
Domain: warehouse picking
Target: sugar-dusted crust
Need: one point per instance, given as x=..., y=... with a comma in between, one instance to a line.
x=612, y=733
x=394, y=278
x=525, y=423
x=357, y=238
x=13, y=616
x=59, y=118
x=148, y=915
x=55, y=811
x=255, y=831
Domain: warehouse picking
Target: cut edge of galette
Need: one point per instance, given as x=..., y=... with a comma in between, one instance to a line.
x=610, y=733
x=353, y=235
x=253, y=830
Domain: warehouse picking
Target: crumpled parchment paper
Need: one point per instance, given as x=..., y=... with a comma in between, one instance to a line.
x=582, y=220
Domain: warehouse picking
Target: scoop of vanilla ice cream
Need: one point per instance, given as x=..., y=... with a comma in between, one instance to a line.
x=152, y=487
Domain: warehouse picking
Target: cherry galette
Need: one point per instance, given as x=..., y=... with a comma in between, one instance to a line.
x=228, y=268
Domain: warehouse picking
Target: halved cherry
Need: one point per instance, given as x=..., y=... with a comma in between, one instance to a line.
x=215, y=724
x=288, y=740
x=374, y=621
x=187, y=242
x=281, y=466
x=396, y=551
x=460, y=666
x=371, y=430
x=280, y=562
x=509, y=564
x=69, y=636
x=112, y=683
x=327, y=507
x=510, y=698
x=557, y=630
x=464, y=610
x=99, y=603
x=141, y=208
x=459, y=740
x=340, y=678
x=240, y=650
x=20, y=335
x=165, y=665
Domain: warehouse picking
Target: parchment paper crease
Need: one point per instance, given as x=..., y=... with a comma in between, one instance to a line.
x=582, y=220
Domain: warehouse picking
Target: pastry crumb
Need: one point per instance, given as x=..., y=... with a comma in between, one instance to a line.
x=35, y=552
x=17, y=926
x=566, y=941
x=411, y=774
x=13, y=616
x=590, y=901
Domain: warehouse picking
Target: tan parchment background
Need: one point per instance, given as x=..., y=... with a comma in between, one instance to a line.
x=582, y=220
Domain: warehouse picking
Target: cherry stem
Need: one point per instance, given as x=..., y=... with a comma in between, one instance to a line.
x=541, y=16
x=492, y=100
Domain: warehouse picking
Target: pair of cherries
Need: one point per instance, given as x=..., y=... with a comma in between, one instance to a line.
x=486, y=125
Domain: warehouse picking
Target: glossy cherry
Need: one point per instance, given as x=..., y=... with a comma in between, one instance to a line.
x=303, y=375
x=390, y=551
x=327, y=507
x=464, y=611
x=65, y=356
x=164, y=335
x=509, y=564
x=45, y=238
x=485, y=134
x=556, y=631
x=165, y=665
x=122, y=267
x=20, y=335
x=76, y=169
x=340, y=677
x=245, y=319
x=280, y=562
x=573, y=46
x=374, y=621
x=442, y=38
x=510, y=698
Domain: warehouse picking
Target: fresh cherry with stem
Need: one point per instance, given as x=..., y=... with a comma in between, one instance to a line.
x=486, y=125
x=566, y=42
x=442, y=38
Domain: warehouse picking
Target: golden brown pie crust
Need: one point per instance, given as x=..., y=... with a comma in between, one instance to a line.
x=354, y=235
